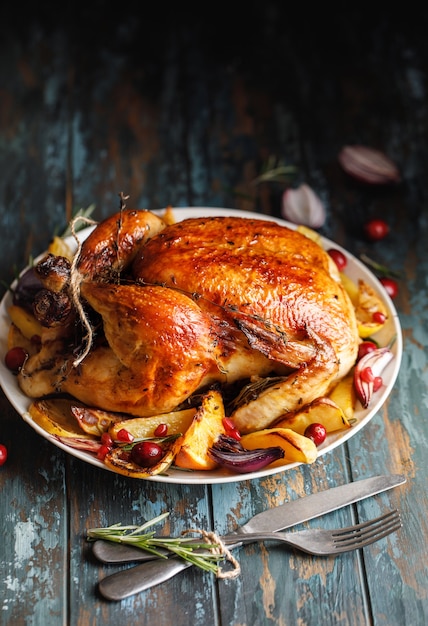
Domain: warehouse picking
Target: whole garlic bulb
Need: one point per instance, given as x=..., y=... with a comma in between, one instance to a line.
x=303, y=206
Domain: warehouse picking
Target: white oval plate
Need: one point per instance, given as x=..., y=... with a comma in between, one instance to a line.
x=355, y=269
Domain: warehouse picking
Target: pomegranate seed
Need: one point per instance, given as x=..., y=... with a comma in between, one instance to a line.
x=235, y=434
x=15, y=359
x=316, y=432
x=379, y=317
x=106, y=440
x=161, y=430
x=124, y=435
x=102, y=452
x=146, y=453
x=339, y=258
x=377, y=383
x=228, y=424
x=367, y=375
x=231, y=429
x=3, y=454
x=365, y=347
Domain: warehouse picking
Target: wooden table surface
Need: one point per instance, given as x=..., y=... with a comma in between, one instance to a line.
x=183, y=109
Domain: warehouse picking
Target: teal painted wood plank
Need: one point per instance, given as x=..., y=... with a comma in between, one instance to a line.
x=133, y=502
x=33, y=149
x=33, y=159
x=192, y=152
x=396, y=439
x=279, y=585
x=33, y=526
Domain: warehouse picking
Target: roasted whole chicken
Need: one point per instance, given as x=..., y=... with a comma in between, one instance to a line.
x=149, y=314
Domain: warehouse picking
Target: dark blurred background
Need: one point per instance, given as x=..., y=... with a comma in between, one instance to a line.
x=184, y=105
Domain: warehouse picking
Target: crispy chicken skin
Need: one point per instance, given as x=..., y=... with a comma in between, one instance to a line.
x=211, y=299
x=113, y=244
x=280, y=289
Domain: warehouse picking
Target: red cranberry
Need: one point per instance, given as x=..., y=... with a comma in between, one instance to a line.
x=316, y=432
x=15, y=359
x=365, y=348
x=376, y=229
x=390, y=286
x=339, y=258
x=146, y=453
x=3, y=454
x=378, y=317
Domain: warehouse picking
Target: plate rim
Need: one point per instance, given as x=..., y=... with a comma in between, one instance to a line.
x=179, y=476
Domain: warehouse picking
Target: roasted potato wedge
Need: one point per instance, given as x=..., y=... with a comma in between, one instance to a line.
x=15, y=338
x=369, y=303
x=321, y=411
x=350, y=287
x=344, y=396
x=297, y=448
x=142, y=427
x=206, y=427
x=27, y=323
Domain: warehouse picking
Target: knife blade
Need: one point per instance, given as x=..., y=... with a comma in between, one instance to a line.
x=141, y=577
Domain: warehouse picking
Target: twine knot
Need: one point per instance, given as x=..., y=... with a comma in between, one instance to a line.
x=218, y=547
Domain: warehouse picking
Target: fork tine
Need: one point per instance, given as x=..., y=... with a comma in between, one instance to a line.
x=363, y=539
x=366, y=533
x=369, y=523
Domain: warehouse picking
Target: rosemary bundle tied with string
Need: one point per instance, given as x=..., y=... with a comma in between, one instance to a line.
x=205, y=554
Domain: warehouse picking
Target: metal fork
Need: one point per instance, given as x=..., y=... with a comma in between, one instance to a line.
x=315, y=541
x=322, y=542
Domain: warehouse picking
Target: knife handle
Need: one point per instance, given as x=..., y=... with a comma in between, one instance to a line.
x=109, y=552
x=141, y=577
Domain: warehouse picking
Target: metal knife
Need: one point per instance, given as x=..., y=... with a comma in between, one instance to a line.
x=131, y=581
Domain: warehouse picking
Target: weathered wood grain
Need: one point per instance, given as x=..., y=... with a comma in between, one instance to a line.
x=33, y=526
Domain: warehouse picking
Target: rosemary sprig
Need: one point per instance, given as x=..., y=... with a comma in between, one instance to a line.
x=138, y=537
x=275, y=171
x=80, y=213
x=252, y=390
x=381, y=270
x=127, y=447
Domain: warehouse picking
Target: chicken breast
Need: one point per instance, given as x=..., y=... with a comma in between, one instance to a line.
x=277, y=286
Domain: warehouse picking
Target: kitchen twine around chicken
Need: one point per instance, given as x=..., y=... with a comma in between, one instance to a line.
x=75, y=281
